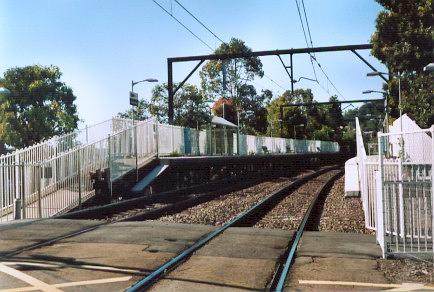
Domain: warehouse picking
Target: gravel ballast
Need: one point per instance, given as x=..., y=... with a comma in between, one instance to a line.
x=342, y=214
x=218, y=211
x=288, y=213
x=222, y=209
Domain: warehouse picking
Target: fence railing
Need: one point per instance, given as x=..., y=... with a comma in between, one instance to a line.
x=367, y=166
x=59, y=183
x=174, y=140
x=61, y=178
x=405, y=193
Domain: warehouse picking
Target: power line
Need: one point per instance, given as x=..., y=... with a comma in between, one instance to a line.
x=215, y=35
x=177, y=20
x=274, y=81
x=305, y=38
x=201, y=23
x=311, y=43
x=307, y=23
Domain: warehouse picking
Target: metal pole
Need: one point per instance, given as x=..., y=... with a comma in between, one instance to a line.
x=109, y=166
x=39, y=190
x=87, y=135
x=238, y=132
x=79, y=180
x=135, y=147
x=135, y=134
x=156, y=137
x=23, y=190
x=170, y=91
x=292, y=73
x=386, y=128
x=399, y=96
x=432, y=182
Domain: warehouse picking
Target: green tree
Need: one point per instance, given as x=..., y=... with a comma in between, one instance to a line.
x=333, y=118
x=231, y=79
x=190, y=107
x=39, y=106
x=225, y=78
x=403, y=40
x=370, y=116
x=139, y=112
x=292, y=117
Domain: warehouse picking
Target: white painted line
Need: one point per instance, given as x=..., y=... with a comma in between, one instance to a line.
x=72, y=284
x=39, y=285
x=93, y=267
x=397, y=287
x=412, y=287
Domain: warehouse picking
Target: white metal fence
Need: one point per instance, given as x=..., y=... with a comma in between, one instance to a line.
x=174, y=140
x=46, y=183
x=55, y=176
x=405, y=193
x=367, y=167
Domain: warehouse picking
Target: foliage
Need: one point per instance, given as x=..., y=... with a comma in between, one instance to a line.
x=294, y=123
x=403, y=40
x=225, y=108
x=39, y=106
x=139, y=112
x=230, y=79
x=370, y=116
x=324, y=122
x=239, y=72
x=190, y=108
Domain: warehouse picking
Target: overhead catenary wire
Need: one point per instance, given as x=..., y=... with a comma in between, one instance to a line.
x=200, y=22
x=183, y=25
x=305, y=38
x=207, y=28
x=311, y=45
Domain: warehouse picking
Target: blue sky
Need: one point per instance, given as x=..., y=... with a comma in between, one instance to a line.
x=101, y=45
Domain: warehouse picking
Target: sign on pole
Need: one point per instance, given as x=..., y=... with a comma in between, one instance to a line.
x=134, y=98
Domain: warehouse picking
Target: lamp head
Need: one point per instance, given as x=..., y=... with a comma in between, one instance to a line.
x=4, y=91
x=429, y=67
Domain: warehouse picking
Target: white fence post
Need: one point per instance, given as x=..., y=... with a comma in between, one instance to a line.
x=432, y=189
x=380, y=211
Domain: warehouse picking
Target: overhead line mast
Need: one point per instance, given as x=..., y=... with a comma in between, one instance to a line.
x=202, y=58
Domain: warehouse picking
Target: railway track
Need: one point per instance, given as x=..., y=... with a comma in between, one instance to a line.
x=142, y=208
x=248, y=218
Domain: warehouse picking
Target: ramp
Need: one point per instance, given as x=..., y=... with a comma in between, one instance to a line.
x=149, y=178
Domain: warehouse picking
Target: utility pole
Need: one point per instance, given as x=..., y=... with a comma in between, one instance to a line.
x=292, y=73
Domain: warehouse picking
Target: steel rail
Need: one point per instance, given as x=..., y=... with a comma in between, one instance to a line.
x=169, y=265
x=279, y=285
x=190, y=200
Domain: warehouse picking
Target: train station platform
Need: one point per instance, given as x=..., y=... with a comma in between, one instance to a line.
x=111, y=257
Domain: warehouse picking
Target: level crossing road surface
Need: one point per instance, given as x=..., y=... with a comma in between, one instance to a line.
x=113, y=257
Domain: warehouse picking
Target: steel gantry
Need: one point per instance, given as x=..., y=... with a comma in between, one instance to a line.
x=279, y=53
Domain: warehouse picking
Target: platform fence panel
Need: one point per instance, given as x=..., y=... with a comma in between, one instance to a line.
x=367, y=165
x=55, y=176
x=60, y=183
x=407, y=174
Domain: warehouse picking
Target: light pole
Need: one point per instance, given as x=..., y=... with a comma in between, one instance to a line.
x=397, y=76
x=4, y=91
x=429, y=67
x=134, y=102
x=386, y=115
